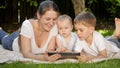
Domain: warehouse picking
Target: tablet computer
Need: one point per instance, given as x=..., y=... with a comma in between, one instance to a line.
x=66, y=54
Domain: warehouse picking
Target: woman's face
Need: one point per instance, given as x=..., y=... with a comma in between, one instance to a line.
x=47, y=20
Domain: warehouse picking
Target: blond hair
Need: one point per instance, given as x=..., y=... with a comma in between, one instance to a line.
x=64, y=17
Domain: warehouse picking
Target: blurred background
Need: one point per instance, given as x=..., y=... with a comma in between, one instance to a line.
x=14, y=12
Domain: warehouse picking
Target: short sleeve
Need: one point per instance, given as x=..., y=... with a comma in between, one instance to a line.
x=25, y=29
x=101, y=43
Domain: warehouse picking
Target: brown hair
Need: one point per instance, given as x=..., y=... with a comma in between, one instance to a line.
x=85, y=18
x=45, y=6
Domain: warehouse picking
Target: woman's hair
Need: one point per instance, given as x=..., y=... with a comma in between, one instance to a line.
x=64, y=17
x=85, y=18
x=47, y=5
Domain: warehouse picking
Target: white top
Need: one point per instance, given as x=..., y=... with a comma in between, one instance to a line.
x=99, y=43
x=71, y=44
x=27, y=31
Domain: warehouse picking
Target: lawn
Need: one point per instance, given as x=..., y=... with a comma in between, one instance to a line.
x=106, y=32
x=113, y=63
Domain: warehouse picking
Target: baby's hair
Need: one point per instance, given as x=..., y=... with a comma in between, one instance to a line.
x=64, y=17
x=85, y=18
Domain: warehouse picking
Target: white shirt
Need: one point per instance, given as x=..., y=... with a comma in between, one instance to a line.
x=71, y=44
x=99, y=43
x=27, y=31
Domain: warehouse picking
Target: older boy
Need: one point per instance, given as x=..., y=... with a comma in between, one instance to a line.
x=92, y=44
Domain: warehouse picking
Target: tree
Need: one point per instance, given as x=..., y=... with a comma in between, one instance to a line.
x=79, y=6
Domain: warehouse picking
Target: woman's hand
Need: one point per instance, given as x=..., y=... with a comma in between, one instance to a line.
x=52, y=57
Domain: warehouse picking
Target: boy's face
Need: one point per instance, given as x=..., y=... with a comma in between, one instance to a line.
x=64, y=27
x=83, y=31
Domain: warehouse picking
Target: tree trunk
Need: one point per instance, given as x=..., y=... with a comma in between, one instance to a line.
x=79, y=5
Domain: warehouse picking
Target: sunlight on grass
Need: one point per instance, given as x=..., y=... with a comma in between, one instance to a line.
x=106, y=32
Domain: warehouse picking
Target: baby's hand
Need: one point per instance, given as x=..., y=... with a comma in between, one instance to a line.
x=61, y=49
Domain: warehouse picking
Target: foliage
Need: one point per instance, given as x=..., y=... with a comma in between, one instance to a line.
x=104, y=8
x=33, y=3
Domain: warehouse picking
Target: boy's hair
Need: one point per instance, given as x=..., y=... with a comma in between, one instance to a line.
x=64, y=17
x=85, y=18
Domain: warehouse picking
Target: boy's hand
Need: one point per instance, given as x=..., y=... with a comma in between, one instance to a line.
x=82, y=58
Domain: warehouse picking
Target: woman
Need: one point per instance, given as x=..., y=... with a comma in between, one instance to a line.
x=35, y=34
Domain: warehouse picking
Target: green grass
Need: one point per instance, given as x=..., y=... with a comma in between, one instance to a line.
x=113, y=63
x=106, y=32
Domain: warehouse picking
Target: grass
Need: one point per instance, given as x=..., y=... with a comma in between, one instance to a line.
x=106, y=32
x=113, y=63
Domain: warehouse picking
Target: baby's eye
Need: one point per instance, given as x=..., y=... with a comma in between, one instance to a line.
x=66, y=27
x=60, y=28
x=47, y=19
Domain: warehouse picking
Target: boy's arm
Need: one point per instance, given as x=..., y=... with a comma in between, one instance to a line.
x=84, y=57
x=102, y=54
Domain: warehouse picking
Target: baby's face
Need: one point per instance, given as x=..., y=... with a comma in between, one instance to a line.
x=64, y=27
x=83, y=31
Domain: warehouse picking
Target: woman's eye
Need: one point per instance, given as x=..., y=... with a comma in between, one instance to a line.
x=48, y=19
x=54, y=19
x=81, y=30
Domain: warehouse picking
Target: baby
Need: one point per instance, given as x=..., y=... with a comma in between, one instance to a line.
x=66, y=39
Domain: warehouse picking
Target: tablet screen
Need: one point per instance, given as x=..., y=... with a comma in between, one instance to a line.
x=66, y=54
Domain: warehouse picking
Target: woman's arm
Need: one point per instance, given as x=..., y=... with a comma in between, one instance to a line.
x=25, y=46
x=52, y=44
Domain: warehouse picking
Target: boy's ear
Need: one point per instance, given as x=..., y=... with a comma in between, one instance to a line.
x=92, y=29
